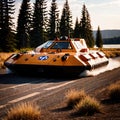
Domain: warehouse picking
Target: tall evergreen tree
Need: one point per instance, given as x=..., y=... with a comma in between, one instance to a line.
x=77, y=29
x=66, y=21
x=86, y=28
x=53, y=20
x=23, y=24
x=1, y=23
x=39, y=23
x=99, y=41
x=7, y=41
x=1, y=14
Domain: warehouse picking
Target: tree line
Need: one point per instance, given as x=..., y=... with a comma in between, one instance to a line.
x=114, y=40
x=37, y=25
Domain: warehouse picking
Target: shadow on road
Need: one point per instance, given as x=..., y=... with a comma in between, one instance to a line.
x=33, y=78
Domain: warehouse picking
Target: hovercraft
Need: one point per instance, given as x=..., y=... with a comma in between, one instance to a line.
x=59, y=56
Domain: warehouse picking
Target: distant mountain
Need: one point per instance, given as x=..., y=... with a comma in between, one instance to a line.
x=108, y=33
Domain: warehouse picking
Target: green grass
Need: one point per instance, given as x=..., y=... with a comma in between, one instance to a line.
x=23, y=111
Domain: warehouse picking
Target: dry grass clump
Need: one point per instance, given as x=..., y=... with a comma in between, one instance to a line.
x=88, y=106
x=83, y=103
x=114, y=92
x=74, y=96
x=3, y=57
x=24, y=111
x=112, y=54
x=109, y=52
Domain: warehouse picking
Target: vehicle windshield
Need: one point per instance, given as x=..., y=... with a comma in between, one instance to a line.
x=61, y=45
x=44, y=45
x=48, y=44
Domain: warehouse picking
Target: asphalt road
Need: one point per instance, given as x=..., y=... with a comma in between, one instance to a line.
x=47, y=91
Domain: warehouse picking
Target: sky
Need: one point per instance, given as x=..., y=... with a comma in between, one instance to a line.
x=103, y=13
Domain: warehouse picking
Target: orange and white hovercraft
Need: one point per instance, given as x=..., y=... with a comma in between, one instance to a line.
x=60, y=56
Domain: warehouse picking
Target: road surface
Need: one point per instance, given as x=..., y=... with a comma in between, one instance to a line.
x=47, y=91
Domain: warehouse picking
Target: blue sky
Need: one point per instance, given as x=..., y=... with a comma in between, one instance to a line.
x=104, y=13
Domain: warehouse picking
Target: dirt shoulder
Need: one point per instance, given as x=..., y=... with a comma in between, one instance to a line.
x=53, y=104
x=110, y=109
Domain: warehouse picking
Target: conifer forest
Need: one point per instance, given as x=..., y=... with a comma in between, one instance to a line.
x=36, y=24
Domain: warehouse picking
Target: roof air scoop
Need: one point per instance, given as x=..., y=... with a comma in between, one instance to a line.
x=63, y=38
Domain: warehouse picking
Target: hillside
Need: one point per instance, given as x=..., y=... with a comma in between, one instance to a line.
x=110, y=36
x=108, y=33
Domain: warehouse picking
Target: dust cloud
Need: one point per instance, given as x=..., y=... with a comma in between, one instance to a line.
x=113, y=63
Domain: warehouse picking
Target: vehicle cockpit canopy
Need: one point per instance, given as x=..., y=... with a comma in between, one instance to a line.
x=64, y=43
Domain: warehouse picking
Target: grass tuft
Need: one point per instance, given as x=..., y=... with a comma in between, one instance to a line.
x=3, y=57
x=23, y=111
x=109, y=52
x=73, y=97
x=114, y=92
x=88, y=106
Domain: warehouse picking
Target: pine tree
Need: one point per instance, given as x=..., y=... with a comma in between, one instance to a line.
x=24, y=24
x=99, y=41
x=86, y=28
x=1, y=24
x=76, y=29
x=39, y=23
x=66, y=21
x=1, y=14
x=53, y=20
x=7, y=41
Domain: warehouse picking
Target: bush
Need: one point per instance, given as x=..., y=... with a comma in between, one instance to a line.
x=24, y=111
x=88, y=106
x=114, y=92
x=74, y=96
